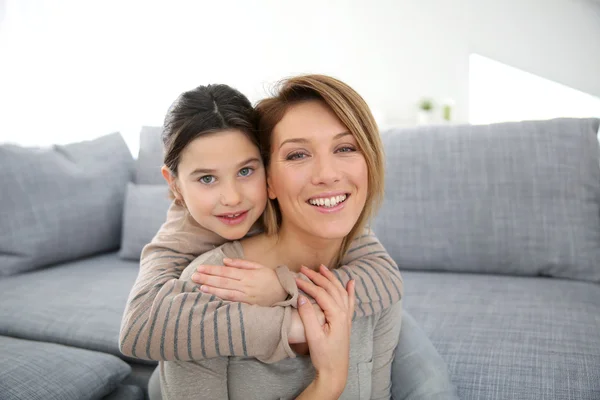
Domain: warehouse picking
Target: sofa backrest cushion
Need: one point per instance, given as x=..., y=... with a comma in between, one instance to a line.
x=61, y=203
x=150, y=157
x=147, y=199
x=517, y=198
x=144, y=212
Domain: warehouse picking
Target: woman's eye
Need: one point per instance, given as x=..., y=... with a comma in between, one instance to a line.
x=346, y=149
x=296, y=156
x=207, y=179
x=246, y=171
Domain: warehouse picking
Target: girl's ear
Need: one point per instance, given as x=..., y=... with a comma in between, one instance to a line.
x=270, y=191
x=171, y=181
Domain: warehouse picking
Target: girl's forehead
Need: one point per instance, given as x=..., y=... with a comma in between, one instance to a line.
x=218, y=150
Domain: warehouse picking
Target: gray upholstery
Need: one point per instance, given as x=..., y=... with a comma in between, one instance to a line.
x=145, y=211
x=150, y=157
x=512, y=198
x=78, y=304
x=510, y=338
x=46, y=371
x=126, y=392
x=61, y=203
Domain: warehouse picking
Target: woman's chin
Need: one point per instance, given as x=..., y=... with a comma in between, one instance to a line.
x=329, y=232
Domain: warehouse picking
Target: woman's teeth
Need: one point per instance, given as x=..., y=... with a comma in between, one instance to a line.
x=328, y=202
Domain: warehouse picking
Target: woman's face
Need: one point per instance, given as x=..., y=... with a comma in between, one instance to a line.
x=317, y=172
x=221, y=178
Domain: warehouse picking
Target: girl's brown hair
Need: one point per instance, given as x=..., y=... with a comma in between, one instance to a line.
x=352, y=111
x=201, y=111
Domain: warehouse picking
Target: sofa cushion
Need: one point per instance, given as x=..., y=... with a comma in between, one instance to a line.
x=150, y=157
x=145, y=211
x=77, y=304
x=512, y=198
x=61, y=203
x=37, y=370
x=511, y=337
x=126, y=392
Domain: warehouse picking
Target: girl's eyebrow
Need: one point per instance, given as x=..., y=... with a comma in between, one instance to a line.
x=212, y=171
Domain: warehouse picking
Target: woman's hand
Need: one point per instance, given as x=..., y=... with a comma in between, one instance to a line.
x=329, y=343
x=241, y=280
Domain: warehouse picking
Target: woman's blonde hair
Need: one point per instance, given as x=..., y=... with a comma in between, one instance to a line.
x=352, y=111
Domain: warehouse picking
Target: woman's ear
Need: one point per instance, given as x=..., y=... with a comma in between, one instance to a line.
x=171, y=181
x=270, y=191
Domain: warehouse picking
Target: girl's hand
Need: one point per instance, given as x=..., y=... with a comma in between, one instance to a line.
x=329, y=343
x=241, y=280
x=296, y=333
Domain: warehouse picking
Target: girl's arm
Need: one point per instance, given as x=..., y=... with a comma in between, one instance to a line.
x=379, y=284
x=169, y=319
x=378, y=281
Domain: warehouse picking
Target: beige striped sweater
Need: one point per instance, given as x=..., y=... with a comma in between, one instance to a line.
x=152, y=326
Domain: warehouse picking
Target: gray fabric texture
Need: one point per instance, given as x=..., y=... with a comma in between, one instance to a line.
x=150, y=157
x=140, y=375
x=518, y=198
x=46, y=371
x=507, y=338
x=419, y=372
x=61, y=203
x=78, y=304
x=126, y=392
x=145, y=211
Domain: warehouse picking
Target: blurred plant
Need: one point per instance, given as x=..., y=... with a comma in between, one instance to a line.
x=426, y=105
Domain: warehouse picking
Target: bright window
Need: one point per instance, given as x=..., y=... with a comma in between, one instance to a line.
x=498, y=92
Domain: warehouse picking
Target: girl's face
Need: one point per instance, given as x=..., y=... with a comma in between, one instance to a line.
x=317, y=172
x=221, y=179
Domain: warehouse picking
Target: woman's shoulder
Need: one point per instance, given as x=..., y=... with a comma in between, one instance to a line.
x=214, y=257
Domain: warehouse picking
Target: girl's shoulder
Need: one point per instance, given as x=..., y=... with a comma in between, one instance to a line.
x=214, y=257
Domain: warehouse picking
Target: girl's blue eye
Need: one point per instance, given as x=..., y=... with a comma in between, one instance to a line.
x=296, y=156
x=346, y=149
x=246, y=171
x=207, y=179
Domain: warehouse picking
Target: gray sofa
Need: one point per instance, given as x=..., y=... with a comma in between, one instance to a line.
x=496, y=229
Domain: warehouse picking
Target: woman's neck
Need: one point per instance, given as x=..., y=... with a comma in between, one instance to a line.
x=294, y=249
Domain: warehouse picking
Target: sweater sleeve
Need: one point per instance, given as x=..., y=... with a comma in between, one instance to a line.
x=385, y=340
x=379, y=283
x=167, y=318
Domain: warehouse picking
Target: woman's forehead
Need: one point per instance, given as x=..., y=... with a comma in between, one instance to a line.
x=308, y=119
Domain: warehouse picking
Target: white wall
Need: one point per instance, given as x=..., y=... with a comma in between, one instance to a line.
x=71, y=70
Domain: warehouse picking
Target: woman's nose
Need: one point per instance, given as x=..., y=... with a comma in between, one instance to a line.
x=230, y=195
x=326, y=171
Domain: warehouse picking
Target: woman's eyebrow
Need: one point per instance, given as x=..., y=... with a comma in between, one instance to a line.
x=212, y=171
x=302, y=140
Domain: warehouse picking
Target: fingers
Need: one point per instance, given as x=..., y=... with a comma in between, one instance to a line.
x=336, y=283
x=351, y=289
x=326, y=272
x=225, y=294
x=312, y=328
x=216, y=281
x=323, y=282
x=219, y=270
x=241, y=264
x=329, y=306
